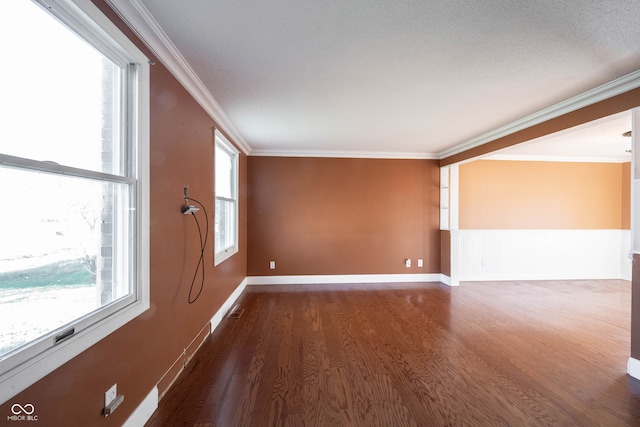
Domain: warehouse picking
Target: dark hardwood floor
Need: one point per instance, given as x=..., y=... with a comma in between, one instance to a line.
x=482, y=354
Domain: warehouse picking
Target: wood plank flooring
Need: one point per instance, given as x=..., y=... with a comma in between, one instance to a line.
x=482, y=354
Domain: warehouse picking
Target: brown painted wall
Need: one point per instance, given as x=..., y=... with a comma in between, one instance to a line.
x=137, y=355
x=342, y=216
x=543, y=195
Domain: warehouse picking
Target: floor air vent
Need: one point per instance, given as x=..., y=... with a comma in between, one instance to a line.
x=235, y=312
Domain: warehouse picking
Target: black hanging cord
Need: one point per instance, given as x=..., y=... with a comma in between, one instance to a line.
x=203, y=245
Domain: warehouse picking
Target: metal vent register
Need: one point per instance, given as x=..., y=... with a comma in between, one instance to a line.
x=235, y=312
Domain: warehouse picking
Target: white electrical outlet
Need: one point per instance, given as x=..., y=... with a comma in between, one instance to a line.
x=272, y=265
x=407, y=263
x=110, y=395
x=420, y=263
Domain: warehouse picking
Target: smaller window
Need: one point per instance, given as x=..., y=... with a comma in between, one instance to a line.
x=226, y=199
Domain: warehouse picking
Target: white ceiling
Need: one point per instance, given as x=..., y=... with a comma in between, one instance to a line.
x=599, y=141
x=408, y=77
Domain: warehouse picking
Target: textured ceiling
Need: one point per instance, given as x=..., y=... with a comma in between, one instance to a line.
x=388, y=76
x=600, y=140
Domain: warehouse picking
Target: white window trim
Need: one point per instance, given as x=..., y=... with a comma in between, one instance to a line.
x=227, y=253
x=86, y=19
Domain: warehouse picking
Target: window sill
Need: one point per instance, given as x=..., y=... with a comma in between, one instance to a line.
x=224, y=255
x=27, y=373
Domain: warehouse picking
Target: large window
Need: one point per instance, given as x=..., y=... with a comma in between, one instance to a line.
x=73, y=184
x=226, y=189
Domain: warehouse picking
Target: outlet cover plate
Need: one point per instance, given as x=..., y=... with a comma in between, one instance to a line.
x=110, y=395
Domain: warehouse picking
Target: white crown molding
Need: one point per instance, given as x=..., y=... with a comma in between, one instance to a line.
x=345, y=154
x=600, y=93
x=563, y=159
x=139, y=19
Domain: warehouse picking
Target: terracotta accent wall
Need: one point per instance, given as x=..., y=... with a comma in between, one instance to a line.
x=543, y=195
x=137, y=355
x=316, y=216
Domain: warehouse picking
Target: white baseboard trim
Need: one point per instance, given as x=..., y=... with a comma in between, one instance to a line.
x=144, y=410
x=222, y=311
x=633, y=368
x=448, y=280
x=343, y=278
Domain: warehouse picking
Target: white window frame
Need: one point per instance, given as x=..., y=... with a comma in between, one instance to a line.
x=221, y=141
x=22, y=369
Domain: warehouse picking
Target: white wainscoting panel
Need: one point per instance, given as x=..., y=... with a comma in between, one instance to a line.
x=627, y=254
x=542, y=254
